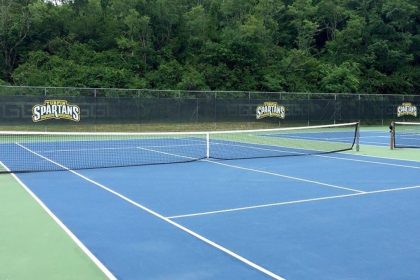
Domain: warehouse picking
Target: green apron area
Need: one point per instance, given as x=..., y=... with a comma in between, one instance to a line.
x=32, y=244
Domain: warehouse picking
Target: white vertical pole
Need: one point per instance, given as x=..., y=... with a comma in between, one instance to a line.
x=207, y=145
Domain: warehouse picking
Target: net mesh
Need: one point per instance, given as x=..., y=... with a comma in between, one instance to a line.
x=44, y=151
x=405, y=135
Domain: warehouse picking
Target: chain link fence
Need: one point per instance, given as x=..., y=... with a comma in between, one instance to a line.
x=142, y=106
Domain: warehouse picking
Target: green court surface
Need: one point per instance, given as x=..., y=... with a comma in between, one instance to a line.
x=32, y=244
x=386, y=152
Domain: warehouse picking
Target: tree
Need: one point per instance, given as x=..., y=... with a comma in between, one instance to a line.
x=14, y=27
x=302, y=12
x=137, y=37
x=348, y=44
x=342, y=78
x=273, y=45
x=192, y=80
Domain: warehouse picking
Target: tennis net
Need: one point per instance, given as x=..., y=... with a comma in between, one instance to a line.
x=405, y=135
x=52, y=151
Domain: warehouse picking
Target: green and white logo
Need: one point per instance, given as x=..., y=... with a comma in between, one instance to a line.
x=55, y=109
x=270, y=110
x=407, y=109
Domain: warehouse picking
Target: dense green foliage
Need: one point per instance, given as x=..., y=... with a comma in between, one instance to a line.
x=367, y=46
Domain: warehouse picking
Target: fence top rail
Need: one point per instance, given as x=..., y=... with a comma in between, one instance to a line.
x=197, y=91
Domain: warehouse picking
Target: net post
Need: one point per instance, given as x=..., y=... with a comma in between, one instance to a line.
x=392, y=132
x=207, y=145
x=358, y=137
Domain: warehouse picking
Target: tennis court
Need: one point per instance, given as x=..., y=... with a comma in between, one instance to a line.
x=240, y=206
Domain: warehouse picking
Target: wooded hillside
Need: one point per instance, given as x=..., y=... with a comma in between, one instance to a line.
x=364, y=46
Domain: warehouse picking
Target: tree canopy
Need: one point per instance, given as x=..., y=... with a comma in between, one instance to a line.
x=366, y=46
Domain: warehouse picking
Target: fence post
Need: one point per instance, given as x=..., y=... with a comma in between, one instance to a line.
x=308, y=108
x=335, y=107
x=382, y=109
x=215, y=109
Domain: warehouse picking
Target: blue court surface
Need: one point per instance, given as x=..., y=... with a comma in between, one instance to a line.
x=331, y=216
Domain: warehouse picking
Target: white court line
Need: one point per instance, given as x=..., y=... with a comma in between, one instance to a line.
x=148, y=210
x=116, y=148
x=286, y=176
x=363, y=142
x=85, y=150
x=260, y=171
x=289, y=202
x=386, y=158
x=307, y=137
x=384, y=130
x=331, y=138
x=169, y=154
x=76, y=240
x=373, y=162
x=374, y=136
x=362, y=139
x=407, y=138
